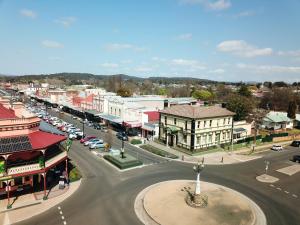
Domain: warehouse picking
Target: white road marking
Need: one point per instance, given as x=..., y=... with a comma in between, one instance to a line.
x=62, y=217
x=286, y=192
x=60, y=212
x=65, y=222
x=295, y=196
x=58, y=207
x=272, y=185
x=278, y=188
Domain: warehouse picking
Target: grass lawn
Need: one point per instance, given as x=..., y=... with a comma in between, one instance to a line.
x=158, y=151
x=123, y=163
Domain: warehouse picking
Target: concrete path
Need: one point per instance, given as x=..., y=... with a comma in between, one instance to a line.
x=265, y=178
x=25, y=210
x=290, y=170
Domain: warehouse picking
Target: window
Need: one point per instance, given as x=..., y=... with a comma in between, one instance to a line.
x=228, y=120
x=119, y=112
x=175, y=121
x=199, y=122
x=115, y=111
x=210, y=138
x=166, y=120
x=224, y=122
x=184, y=138
x=204, y=124
x=185, y=125
x=210, y=123
x=199, y=140
x=110, y=110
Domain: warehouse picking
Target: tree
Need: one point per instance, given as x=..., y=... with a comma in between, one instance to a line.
x=124, y=92
x=222, y=92
x=291, y=112
x=244, y=91
x=240, y=105
x=162, y=91
x=202, y=95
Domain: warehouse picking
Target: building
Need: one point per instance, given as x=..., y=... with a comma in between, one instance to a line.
x=26, y=152
x=241, y=130
x=279, y=121
x=195, y=127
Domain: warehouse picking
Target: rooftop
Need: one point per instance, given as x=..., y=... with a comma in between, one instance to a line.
x=197, y=112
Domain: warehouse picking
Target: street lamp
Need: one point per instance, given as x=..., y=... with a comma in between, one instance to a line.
x=122, y=148
x=83, y=121
x=198, y=168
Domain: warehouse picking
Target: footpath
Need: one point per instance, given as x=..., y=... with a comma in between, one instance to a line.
x=220, y=157
x=29, y=205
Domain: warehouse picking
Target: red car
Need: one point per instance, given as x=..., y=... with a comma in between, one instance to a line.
x=87, y=138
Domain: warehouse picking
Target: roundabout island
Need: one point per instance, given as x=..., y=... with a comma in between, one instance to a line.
x=167, y=203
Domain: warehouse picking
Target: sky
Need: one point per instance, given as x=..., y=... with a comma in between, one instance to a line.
x=223, y=40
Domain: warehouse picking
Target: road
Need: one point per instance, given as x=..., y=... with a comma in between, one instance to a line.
x=106, y=196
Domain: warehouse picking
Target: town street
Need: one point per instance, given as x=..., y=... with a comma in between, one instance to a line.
x=106, y=196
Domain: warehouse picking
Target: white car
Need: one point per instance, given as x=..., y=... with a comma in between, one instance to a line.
x=91, y=141
x=114, y=152
x=72, y=136
x=277, y=148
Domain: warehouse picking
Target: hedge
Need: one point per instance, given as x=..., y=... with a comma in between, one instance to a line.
x=136, y=141
x=123, y=165
x=158, y=151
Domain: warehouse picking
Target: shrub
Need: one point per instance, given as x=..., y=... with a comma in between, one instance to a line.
x=136, y=141
x=74, y=175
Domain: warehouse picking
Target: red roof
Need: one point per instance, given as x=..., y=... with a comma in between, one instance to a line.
x=6, y=113
x=152, y=116
x=41, y=139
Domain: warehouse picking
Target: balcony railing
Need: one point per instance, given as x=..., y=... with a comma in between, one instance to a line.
x=55, y=159
x=23, y=169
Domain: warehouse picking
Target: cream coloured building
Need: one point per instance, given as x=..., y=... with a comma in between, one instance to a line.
x=195, y=127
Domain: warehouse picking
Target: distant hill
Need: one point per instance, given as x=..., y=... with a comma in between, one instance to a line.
x=88, y=76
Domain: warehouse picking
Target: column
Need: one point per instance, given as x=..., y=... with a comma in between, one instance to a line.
x=67, y=174
x=45, y=187
x=8, y=197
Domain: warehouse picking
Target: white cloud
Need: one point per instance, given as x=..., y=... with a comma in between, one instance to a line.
x=294, y=53
x=217, y=71
x=245, y=14
x=66, y=21
x=118, y=47
x=215, y=5
x=269, y=69
x=186, y=37
x=52, y=44
x=243, y=49
x=193, y=64
x=28, y=13
x=109, y=65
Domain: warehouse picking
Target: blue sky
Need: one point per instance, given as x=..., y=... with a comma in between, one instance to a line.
x=226, y=40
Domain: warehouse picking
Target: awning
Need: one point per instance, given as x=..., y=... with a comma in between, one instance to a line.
x=93, y=112
x=110, y=118
x=239, y=130
x=148, y=127
x=132, y=124
x=173, y=129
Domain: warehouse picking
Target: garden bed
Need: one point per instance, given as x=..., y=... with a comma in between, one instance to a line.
x=123, y=163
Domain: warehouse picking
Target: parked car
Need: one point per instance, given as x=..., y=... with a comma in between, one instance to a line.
x=87, y=138
x=91, y=141
x=104, y=129
x=122, y=136
x=97, y=145
x=97, y=126
x=90, y=123
x=72, y=136
x=277, y=148
x=296, y=144
x=296, y=158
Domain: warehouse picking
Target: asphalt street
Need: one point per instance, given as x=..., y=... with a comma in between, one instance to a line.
x=106, y=196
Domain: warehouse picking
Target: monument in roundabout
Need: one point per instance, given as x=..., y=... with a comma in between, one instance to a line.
x=180, y=202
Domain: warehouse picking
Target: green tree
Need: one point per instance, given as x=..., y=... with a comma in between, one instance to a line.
x=291, y=112
x=202, y=95
x=244, y=91
x=162, y=91
x=240, y=105
x=124, y=92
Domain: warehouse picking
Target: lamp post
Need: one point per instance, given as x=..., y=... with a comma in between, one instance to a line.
x=198, y=168
x=122, y=148
x=83, y=121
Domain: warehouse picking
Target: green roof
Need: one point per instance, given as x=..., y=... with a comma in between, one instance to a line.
x=277, y=117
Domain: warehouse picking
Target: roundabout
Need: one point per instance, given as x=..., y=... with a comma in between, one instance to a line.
x=165, y=203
